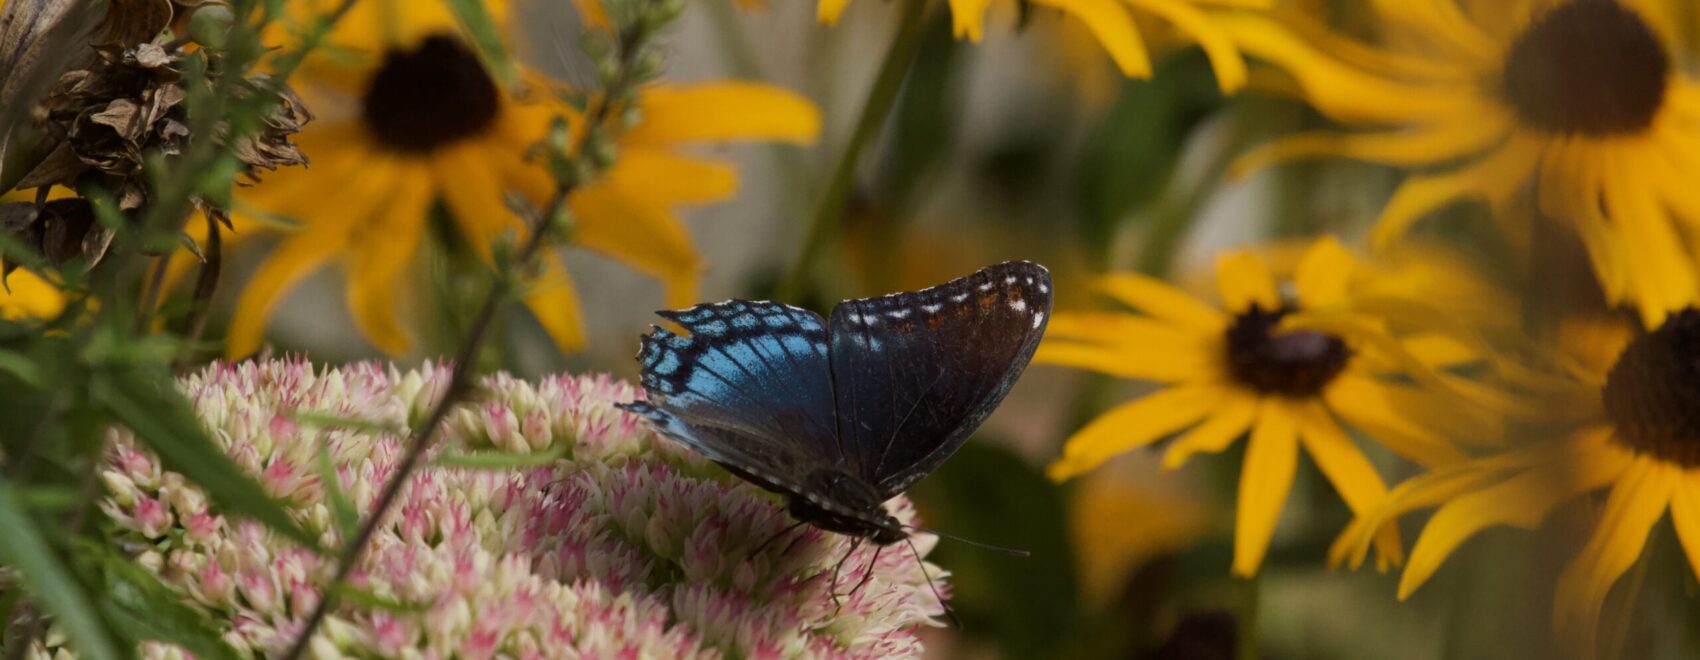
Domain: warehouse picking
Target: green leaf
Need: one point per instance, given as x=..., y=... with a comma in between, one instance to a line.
x=342, y=510
x=51, y=583
x=160, y=418
x=366, y=599
x=145, y=608
x=487, y=37
x=501, y=460
x=926, y=119
x=987, y=494
x=334, y=421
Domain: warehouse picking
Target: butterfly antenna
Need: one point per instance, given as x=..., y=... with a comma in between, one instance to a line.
x=1013, y=552
x=949, y=613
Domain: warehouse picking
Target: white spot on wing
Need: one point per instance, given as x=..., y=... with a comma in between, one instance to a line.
x=1018, y=305
x=932, y=308
x=898, y=313
x=986, y=286
x=1038, y=320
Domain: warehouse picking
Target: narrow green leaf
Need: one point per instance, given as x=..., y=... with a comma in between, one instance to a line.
x=147, y=609
x=487, y=37
x=342, y=510
x=363, y=598
x=328, y=420
x=162, y=420
x=50, y=582
x=22, y=367
x=501, y=460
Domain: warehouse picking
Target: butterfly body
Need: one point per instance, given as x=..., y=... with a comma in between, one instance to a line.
x=841, y=415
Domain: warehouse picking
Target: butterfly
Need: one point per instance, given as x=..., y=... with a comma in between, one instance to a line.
x=843, y=414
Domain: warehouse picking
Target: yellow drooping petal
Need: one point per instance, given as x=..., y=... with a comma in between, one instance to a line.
x=1271, y=456
x=27, y=295
x=553, y=300
x=1636, y=503
x=377, y=262
x=1522, y=501
x=324, y=236
x=1113, y=26
x=1245, y=280
x=672, y=179
x=968, y=18
x=472, y=191
x=1156, y=363
x=1416, y=147
x=1351, y=473
x=1405, y=419
x=1219, y=48
x=640, y=233
x=1685, y=515
x=828, y=11
x=1493, y=179
x=1225, y=424
x=723, y=111
x=1162, y=301
x=1661, y=267
x=1134, y=424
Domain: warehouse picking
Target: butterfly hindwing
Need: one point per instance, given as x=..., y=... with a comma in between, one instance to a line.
x=913, y=374
x=750, y=387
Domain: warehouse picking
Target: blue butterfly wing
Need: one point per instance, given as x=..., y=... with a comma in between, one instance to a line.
x=914, y=374
x=749, y=388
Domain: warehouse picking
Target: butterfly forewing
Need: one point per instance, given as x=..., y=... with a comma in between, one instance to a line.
x=913, y=374
x=750, y=388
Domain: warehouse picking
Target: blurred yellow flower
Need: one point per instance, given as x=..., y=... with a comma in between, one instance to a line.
x=429, y=124
x=1631, y=428
x=1112, y=23
x=1119, y=524
x=26, y=295
x=1582, y=103
x=1225, y=370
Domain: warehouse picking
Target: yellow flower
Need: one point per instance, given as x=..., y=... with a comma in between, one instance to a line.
x=1631, y=429
x=27, y=295
x=1112, y=23
x=1581, y=103
x=428, y=124
x=1118, y=524
x=1225, y=370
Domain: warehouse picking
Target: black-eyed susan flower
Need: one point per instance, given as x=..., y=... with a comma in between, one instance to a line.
x=1582, y=102
x=1225, y=370
x=1627, y=444
x=426, y=123
x=1113, y=24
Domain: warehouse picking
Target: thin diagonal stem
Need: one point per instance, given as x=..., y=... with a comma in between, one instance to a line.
x=828, y=214
x=460, y=379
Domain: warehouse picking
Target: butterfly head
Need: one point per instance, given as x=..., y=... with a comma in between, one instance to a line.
x=839, y=502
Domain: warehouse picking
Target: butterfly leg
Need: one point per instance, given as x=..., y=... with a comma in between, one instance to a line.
x=868, y=574
x=832, y=585
x=775, y=537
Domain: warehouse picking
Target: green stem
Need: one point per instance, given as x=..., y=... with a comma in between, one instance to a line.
x=825, y=224
x=1245, y=639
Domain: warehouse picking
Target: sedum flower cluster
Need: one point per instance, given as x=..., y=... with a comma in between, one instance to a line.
x=605, y=542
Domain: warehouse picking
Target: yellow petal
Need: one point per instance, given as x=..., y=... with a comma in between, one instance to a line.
x=1225, y=424
x=1156, y=364
x=1424, y=145
x=554, y=301
x=1635, y=505
x=1114, y=28
x=1685, y=515
x=1218, y=47
x=1271, y=455
x=1523, y=501
x=1162, y=301
x=472, y=190
x=1492, y=179
x=635, y=231
x=299, y=255
x=378, y=256
x=1397, y=417
x=828, y=11
x=968, y=18
x=724, y=111
x=1133, y=424
x=1245, y=280
x=1322, y=274
x=671, y=179
x=27, y=295
x=1346, y=467
x=1665, y=277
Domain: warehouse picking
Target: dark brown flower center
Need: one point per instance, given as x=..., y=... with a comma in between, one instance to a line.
x=1296, y=363
x=1652, y=394
x=436, y=94
x=1591, y=67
